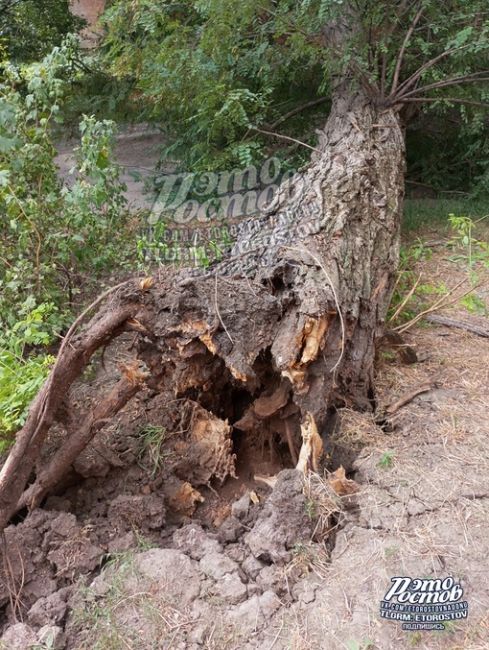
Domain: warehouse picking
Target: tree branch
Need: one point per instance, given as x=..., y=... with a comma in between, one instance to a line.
x=298, y=109
x=429, y=64
x=445, y=83
x=284, y=137
x=455, y=100
x=402, y=51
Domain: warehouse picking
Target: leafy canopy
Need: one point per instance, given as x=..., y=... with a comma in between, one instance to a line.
x=29, y=29
x=213, y=71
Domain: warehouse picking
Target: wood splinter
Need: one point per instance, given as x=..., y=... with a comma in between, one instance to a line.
x=312, y=446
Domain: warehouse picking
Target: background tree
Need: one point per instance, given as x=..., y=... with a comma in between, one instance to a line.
x=228, y=78
x=29, y=29
x=211, y=71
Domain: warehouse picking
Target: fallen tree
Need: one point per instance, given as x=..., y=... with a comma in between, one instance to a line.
x=282, y=331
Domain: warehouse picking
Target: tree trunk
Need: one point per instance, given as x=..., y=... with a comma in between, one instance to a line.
x=265, y=347
x=298, y=334
x=339, y=226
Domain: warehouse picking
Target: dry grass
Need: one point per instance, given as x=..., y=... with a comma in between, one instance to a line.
x=355, y=430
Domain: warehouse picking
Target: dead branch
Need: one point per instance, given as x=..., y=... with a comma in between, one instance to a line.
x=441, y=303
x=452, y=322
x=406, y=299
x=284, y=137
x=408, y=397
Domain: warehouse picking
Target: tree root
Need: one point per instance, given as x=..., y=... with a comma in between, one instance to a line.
x=130, y=384
x=73, y=357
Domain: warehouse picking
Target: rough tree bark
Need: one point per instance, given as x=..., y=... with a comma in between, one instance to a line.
x=266, y=347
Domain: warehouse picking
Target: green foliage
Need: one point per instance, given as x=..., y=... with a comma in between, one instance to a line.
x=405, y=299
x=386, y=461
x=29, y=29
x=212, y=70
x=364, y=644
x=154, y=246
x=21, y=376
x=54, y=237
x=152, y=455
x=473, y=250
x=419, y=213
x=449, y=149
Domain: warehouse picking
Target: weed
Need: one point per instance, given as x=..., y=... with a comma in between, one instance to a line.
x=386, y=460
x=21, y=375
x=415, y=639
x=153, y=438
x=474, y=304
x=311, y=509
x=405, y=300
x=391, y=552
x=309, y=558
x=472, y=250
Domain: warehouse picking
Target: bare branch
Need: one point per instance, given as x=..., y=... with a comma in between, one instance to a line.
x=429, y=64
x=455, y=100
x=402, y=51
x=444, y=83
x=284, y=137
x=298, y=109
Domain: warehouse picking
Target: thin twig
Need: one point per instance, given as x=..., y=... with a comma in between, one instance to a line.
x=284, y=137
x=441, y=303
x=429, y=64
x=406, y=299
x=219, y=313
x=444, y=83
x=298, y=109
x=408, y=397
x=455, y=100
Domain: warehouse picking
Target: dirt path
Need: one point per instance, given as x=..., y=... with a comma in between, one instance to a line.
x=137, y=151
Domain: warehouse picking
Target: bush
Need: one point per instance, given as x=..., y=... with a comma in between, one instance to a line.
x=21, y=376
x=54, y=238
